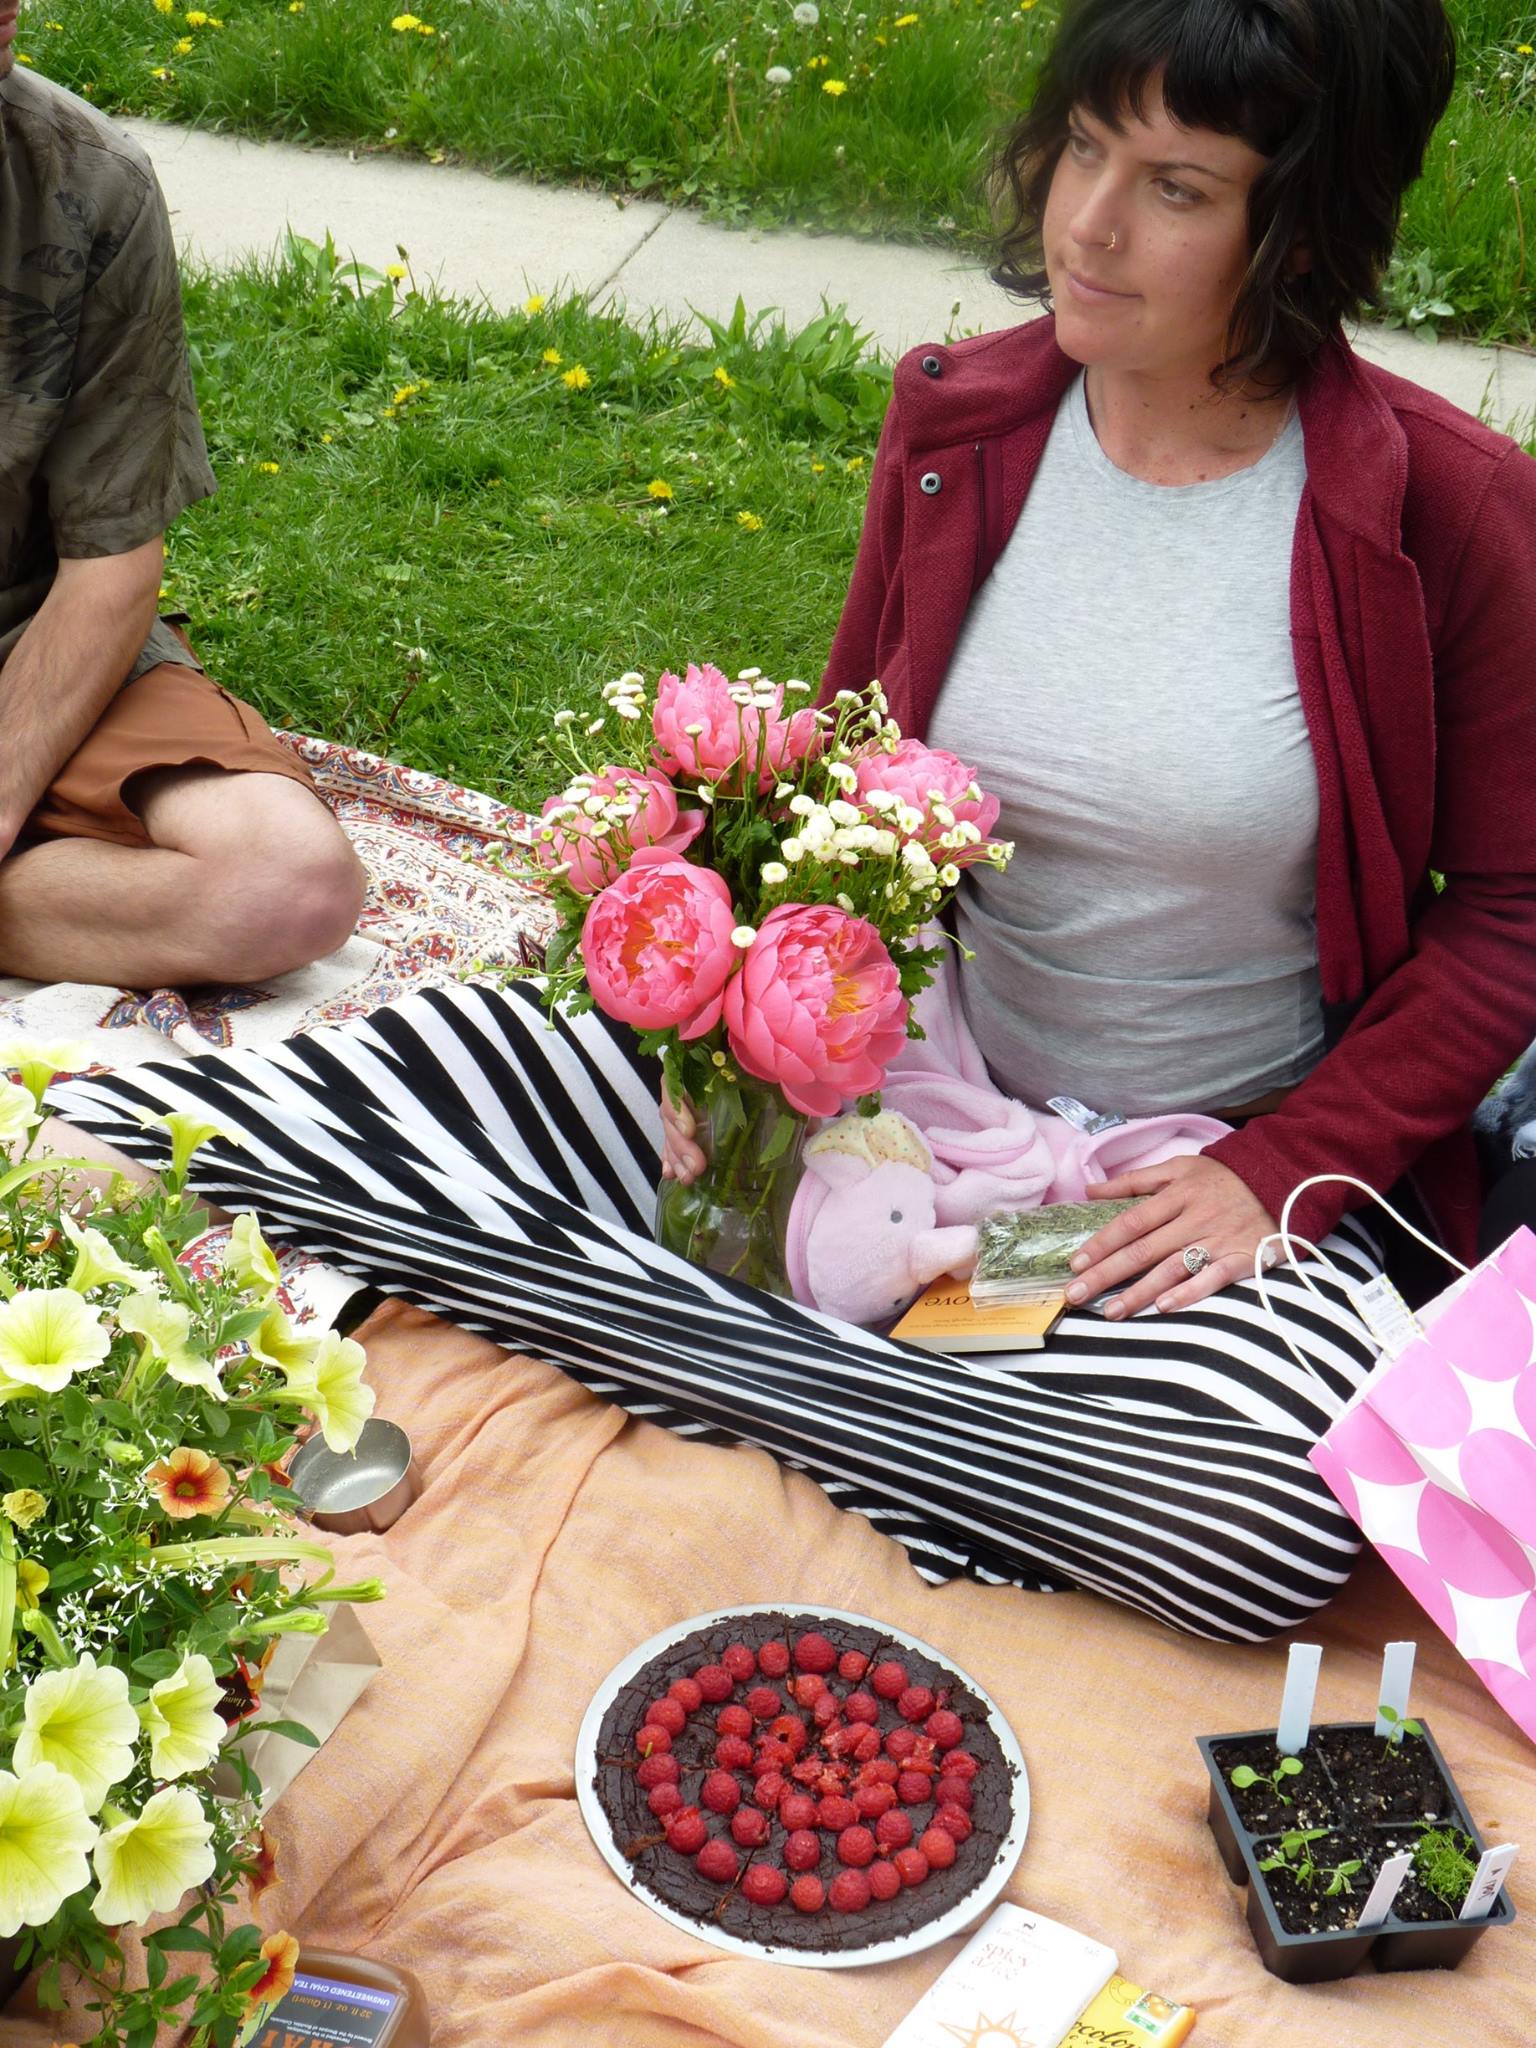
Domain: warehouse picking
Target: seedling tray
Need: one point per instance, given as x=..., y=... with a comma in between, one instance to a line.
x=1368, y=1813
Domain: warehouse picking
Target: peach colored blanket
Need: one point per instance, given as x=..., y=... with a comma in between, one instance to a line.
x=439, y=1827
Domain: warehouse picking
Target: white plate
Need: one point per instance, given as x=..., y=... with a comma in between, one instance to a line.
x=963, y=1914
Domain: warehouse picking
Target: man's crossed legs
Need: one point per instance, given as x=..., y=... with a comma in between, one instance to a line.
x=181, y=845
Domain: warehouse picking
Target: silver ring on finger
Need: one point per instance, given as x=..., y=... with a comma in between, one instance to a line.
x=1196, y=1259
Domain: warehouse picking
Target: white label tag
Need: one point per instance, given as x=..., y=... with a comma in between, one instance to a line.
x=1385, y=1314
x=1491, y=1873
x=1295, y=1723
x=1383, y=1892
x=1396, y=1678
x=1089, y=1121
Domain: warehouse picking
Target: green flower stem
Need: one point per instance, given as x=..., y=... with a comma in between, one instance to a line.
x=219, y=1550
x=7, y=1591
x=180, y=1285
x=34, y=1169
x=296, y=1621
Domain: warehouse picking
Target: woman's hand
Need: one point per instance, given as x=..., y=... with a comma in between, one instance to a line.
x=1187, y=1201
x=681, y=1158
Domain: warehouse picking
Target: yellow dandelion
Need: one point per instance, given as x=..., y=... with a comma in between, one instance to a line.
x=196, y=18
x=395, y=272
x=1525, y=50
x=534, y=305
x=165, y=6
x=183, y=46
x=817, y=63
x=550, y=357
x=390, y=412
x=159, y=71
x=270, y=468
x=327, y=438
x=404, y=23
x=425, y=29
x=905, y=21
x=835, y=86
x=576, y=378
x=658, y=487
x=22, y=57
x=406, y=393
x=818, y=469
x=724, y=378
x=295, y=6
x=56, y=26
x=750, y=521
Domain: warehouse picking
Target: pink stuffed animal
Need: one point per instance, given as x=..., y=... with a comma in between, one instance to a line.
x=862, y=1239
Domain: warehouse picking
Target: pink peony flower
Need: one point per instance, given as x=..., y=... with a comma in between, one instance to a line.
x=910, y=773
x=595, y=862
x=817, y=1007
x=736, y=744
x=656, y=944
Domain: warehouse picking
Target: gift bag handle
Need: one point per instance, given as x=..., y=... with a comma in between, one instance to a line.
x=1287, y=1239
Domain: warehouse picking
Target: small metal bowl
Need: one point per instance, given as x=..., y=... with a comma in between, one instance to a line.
x=352, y=1491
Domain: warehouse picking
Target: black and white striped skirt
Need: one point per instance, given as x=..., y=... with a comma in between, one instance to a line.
x=456, y=1149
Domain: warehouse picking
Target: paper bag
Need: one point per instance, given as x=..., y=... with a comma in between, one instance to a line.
x=1436, y=1460
x=315, y=1680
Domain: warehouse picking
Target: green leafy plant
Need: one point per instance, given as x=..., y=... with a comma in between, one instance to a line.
x=1443, y=1862
x=1415, y=295
x=1288, y=1767
x=1398, y=1726
x=1295, y=1855
x=149, y=1559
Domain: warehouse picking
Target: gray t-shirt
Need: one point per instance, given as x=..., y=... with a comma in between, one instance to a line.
x=1125, y=683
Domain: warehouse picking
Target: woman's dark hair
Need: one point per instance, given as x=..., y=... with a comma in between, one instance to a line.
x=1340, y=95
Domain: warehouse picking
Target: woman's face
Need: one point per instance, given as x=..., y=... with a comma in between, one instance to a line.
x=1176, y=202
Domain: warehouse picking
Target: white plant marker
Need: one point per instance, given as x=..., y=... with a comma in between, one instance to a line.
x=1491, y=1873
x=1295, y=1723
x=1396, y=1678
x=1384, y=1891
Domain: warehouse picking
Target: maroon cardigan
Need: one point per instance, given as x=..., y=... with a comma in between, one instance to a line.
x=1413, y=621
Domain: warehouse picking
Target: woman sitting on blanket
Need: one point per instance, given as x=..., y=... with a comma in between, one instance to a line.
x=1243, y=630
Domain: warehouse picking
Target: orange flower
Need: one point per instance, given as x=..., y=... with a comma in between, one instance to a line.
x=281, y=1952
x=189, y=1483
x=261, y=1872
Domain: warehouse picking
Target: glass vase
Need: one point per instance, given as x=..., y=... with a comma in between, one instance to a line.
x=733, y=1218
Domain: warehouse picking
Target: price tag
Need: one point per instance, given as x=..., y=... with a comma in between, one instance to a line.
x=1385, y=1314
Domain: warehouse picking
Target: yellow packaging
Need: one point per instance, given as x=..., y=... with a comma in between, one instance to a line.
x=1125, y=2016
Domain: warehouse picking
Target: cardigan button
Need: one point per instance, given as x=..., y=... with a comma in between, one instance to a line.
x=932, y=367
x=930, y=482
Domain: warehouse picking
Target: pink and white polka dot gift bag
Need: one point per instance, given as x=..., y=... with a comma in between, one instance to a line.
x=1435, y=1458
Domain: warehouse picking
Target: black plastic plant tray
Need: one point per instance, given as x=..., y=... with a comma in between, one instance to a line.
x=1398, y=1944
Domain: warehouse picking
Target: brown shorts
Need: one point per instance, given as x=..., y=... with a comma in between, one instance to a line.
x=169, y=717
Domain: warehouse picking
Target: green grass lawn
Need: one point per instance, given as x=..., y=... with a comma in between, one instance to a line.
x=679, y=98
x=435, y=526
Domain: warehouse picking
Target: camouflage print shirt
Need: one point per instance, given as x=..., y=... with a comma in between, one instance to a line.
x=100, y=442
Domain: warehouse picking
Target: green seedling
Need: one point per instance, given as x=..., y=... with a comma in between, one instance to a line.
x=1397, y=1727
x=1295, y=1855
x=1288, y=1767
x=1442, y=1862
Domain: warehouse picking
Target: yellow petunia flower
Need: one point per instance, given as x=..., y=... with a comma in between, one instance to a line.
x=23, y=1507
x=182, y=1720
x=750, y=521
x=550, y=357
x=47, y=1335
x=576, y=378
x=148, y=1863
x=330, y=1388
x=79, y=1720
x=658, y=487
x=835, y=86
x=44, y=1834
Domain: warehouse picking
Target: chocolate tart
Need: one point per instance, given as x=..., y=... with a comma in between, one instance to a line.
x=636, y=1840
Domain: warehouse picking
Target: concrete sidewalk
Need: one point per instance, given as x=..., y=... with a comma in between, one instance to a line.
x=502, y=238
